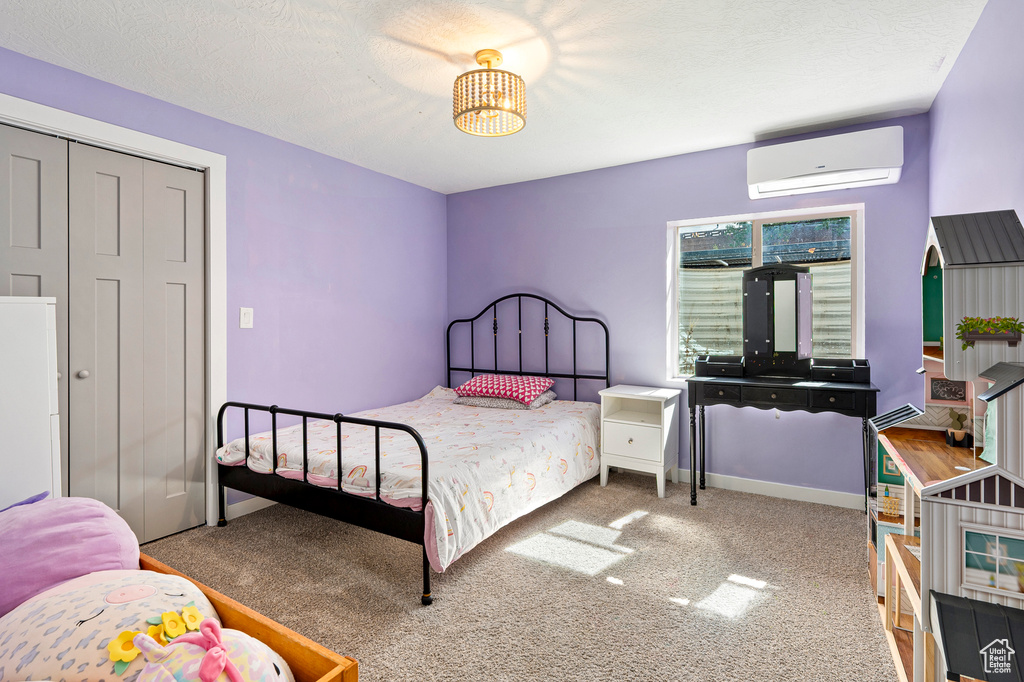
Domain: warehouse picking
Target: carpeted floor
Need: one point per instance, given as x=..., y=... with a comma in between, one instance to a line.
x=738, y=588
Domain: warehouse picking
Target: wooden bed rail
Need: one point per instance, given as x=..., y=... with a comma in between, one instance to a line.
x=309, y=661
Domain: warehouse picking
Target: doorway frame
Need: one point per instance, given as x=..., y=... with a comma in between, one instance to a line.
x=48, y=120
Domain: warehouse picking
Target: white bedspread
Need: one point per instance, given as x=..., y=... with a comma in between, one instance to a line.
x=486, y=466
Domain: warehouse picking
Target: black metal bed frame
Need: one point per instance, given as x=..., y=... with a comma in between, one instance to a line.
x=373, y=513
x=493, y=307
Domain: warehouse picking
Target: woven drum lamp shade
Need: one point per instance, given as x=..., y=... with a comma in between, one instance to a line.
x=489, y=102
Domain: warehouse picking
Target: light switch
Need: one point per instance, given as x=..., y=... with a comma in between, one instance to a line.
x=245, y=318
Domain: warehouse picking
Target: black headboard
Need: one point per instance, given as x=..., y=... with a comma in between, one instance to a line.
x=497, y=367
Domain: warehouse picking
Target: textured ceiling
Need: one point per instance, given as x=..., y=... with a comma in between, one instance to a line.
x=608, y=82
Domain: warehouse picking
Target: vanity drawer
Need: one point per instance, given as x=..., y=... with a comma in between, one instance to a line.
x=790, y=397
x=722, y=392
x=834, y=400
x=633, y=440
x=833, y=374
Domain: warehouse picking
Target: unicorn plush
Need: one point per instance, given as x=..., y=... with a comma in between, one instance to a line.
x=211, y=655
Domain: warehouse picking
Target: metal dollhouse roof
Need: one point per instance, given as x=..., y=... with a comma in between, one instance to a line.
x=972, y=239
x=893, y=417
x=1006, y=375
x=977, y=638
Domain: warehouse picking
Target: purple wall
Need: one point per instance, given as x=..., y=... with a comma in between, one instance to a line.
x=597, y=241
x=345, y=268
x=977, y=154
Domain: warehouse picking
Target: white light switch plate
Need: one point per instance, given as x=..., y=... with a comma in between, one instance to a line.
x=245, y=318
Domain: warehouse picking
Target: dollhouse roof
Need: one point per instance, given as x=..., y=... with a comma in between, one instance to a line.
x=1006, y=375
x=968, y=629
x=990, y=485
x=893, y=417
x=973, y=239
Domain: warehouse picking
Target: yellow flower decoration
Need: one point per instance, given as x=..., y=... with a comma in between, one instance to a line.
x=192, y=617
x=157, y=633
x=174, y=625
x=122, y=648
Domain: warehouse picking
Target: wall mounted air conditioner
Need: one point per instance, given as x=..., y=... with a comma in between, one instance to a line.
x=867, y=157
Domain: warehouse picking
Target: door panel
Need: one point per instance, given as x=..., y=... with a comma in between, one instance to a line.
x=174, y=349
x=34, y=236
x=106, y=329
x=119, y=242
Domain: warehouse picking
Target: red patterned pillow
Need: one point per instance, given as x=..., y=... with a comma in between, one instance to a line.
x=523, y=389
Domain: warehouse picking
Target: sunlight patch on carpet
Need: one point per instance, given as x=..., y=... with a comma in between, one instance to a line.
x=619, y=524
x=734, y=597
x=591, y=534
x=567, y=553
x=729, y=600
x=749, y=582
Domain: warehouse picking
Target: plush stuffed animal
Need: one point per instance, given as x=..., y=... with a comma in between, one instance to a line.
x=211, y=655
x=78, y=630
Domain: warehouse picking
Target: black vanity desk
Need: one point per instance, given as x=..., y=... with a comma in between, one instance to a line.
x=855, y=399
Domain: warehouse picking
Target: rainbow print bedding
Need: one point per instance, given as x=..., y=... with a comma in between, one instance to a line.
x=487, y=466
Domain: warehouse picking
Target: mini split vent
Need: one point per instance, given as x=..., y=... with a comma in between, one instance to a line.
x=867, y=157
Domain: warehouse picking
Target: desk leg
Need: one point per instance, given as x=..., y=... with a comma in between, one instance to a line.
x=866, y=437
x=693, y=455
x=702, y=447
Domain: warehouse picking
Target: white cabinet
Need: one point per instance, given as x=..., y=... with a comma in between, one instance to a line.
x=29, y=426
x=639, y=431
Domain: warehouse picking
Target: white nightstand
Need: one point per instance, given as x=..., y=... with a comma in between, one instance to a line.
x=639, y=432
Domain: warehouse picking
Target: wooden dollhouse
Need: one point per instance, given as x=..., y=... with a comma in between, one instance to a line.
x=948, y=515
x=973, y=267
x=971, y=525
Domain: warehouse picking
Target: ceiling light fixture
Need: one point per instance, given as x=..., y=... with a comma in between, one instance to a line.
x=489, y=102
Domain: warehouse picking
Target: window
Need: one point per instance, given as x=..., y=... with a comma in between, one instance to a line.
x=708, y=260
x=993, y=560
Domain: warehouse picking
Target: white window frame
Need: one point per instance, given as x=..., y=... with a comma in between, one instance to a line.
x=856, y=213
x=999, y=532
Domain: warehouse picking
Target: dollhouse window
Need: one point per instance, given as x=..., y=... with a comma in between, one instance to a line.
x=993, y=561
x=710, y=256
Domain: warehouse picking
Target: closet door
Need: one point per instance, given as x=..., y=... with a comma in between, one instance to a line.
x=174, y=349
x=34, y=236
x=106, y=302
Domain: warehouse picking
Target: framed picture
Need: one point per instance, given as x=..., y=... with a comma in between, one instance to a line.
x=890, y=468
x=939, y=390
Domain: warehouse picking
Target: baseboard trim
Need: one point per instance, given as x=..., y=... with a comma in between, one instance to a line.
x=233, y=511
x=833, y=498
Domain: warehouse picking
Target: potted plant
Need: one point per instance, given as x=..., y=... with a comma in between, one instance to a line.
x=971, y=329
x=957, y=435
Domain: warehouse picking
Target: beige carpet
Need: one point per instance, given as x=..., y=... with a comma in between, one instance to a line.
x=738, y=588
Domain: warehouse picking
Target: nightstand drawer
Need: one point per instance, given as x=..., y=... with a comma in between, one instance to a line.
x=633, y=440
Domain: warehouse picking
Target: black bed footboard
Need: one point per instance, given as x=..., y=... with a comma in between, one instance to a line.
x=365, y=512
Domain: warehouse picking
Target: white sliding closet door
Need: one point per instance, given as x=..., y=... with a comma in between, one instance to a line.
x=119, y=241
x=137, y=301
x=106, y=297
x=174, y=349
